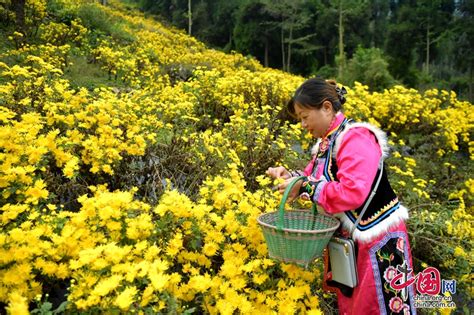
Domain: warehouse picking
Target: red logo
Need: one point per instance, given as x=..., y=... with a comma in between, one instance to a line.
x=427, y=282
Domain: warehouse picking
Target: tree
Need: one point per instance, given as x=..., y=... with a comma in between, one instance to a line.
x=254, y=18
x=433, y=17
x=464, y=30
x=190, y=17
x=303, y=36
x=370, y=67
x=342, y=56
x=402, y=35
x=224, y=16
x=292, y=17
x=19, y=9
x=415, y=29
x=345, y=8
x=379, y=12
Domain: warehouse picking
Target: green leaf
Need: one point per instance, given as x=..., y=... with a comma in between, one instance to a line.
x=61, y=308
x=190, y=311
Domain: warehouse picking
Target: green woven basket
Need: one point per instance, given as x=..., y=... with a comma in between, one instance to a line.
x=297, y=236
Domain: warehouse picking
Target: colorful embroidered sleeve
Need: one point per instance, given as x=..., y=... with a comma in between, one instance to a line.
x=357, y=161
x=310, y=189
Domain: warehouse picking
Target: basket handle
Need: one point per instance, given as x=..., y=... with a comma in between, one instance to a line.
x=281, y=213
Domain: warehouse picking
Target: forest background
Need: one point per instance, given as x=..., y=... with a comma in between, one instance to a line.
x=132, y=162
x=421, y=44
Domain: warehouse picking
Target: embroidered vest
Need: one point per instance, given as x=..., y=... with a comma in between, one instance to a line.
x=384, y=210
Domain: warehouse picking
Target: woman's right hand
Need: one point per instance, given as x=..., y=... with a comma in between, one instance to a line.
x=278, y=172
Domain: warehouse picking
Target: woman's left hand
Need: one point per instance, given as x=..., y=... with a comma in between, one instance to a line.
x=294, y=193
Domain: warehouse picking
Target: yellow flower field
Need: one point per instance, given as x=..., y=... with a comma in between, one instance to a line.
x=141, y=195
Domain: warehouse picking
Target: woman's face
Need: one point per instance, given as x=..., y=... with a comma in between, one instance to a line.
x=315, y=121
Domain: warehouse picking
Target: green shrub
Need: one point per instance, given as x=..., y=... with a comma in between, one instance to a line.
x=94, y=18
x=368, y=66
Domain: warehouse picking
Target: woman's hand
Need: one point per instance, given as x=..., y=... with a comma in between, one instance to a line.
x=294, y=193
x=281, y=172
x=278, y=172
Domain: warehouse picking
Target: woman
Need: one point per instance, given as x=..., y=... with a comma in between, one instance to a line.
x=338, y=179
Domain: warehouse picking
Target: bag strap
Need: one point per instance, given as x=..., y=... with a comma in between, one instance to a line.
x=372, y=194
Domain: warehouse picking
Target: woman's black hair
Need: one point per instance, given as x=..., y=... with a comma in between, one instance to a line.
x=313, y=92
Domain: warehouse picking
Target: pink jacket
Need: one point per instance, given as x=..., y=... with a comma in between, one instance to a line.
x=357, y=161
